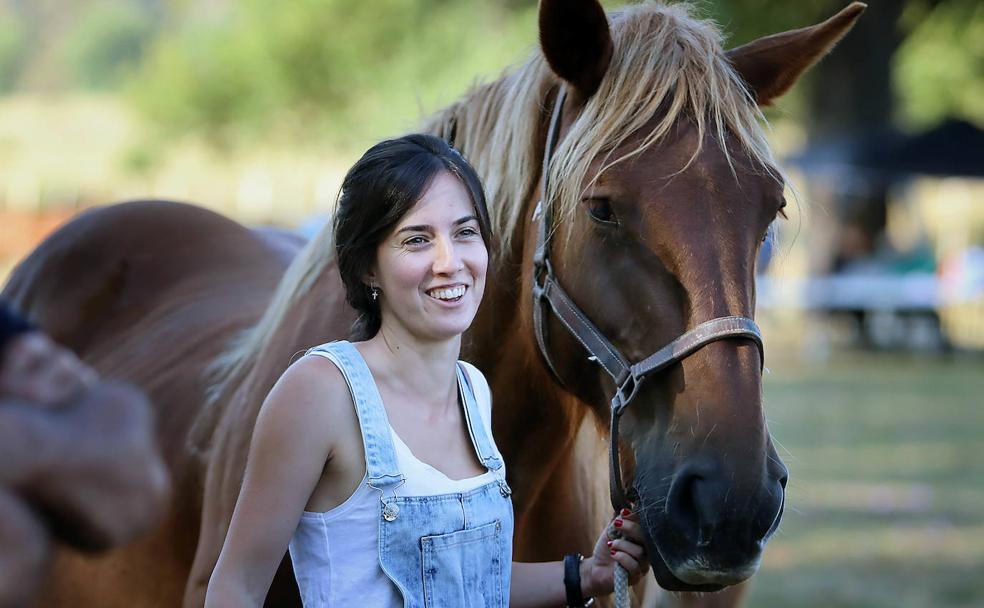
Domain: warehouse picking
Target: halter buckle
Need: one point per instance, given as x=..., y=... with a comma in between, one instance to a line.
x=625, y=392
x=542, y=271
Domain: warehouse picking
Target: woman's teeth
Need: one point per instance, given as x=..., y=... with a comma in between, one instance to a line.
x=448, y=294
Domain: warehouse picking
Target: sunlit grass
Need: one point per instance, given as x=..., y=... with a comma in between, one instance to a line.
x=886, y=494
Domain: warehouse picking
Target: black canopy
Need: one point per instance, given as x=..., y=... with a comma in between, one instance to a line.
x=953, y=148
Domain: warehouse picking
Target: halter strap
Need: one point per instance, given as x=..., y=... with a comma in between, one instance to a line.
x=541, y=255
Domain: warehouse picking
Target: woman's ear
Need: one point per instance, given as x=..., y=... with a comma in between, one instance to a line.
x=369, y=278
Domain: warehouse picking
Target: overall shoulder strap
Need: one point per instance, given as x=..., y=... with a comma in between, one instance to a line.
x=382, y=467
x=479, y=430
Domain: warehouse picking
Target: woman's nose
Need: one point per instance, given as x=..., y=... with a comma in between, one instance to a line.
x=447, y=259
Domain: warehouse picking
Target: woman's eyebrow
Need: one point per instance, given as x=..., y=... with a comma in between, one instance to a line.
x=429, y=228
x=416, y=228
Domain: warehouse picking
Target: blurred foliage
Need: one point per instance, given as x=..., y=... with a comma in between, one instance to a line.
x=13, y=47
x=107, y=43
x=330, y=69
x=346, y=72
x=350, y=72
x=939, y=70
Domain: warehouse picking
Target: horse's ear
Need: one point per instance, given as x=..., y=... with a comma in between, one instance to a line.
x=771, y=65
x=576, y=41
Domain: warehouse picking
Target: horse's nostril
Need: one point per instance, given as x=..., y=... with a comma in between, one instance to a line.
x=695, y=502
x=703, y=505
x=705, y=535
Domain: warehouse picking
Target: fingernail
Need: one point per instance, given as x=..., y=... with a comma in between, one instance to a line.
x=609, y=543
x=613, y=552
x=626, y=512
x=618, y=523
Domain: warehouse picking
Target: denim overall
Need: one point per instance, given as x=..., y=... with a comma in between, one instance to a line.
x=442, y=551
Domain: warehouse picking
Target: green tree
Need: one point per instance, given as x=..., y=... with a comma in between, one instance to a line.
x=345, y=71
x=322, y=69
x=908, y=63
x=939, y=69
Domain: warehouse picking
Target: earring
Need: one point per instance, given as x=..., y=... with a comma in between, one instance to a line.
x=374, y=293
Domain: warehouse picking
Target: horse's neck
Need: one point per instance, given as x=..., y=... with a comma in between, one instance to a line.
x=531, y=410
x=549, y=441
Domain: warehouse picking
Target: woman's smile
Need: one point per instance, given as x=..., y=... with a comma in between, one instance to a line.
x=431, y=270
x=447, y=295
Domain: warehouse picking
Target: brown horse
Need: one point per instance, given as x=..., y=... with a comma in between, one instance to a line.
x=662, y=187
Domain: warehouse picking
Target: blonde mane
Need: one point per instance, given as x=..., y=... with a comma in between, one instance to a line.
x=666, y=63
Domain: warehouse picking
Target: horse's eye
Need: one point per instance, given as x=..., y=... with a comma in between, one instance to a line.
x=601, y=211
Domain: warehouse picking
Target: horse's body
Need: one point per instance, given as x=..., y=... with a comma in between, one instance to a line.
x=153, y=292
x=104, y=287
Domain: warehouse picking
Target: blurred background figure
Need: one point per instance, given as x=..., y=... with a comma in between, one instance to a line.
x=871, y=294
x=78, y=463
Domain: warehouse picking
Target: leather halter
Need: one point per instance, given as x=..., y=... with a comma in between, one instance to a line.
x=549, y=296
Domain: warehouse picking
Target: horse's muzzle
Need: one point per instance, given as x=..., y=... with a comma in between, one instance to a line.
x=705, y=531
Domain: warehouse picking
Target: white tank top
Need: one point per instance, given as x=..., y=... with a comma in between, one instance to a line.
x=335, y=554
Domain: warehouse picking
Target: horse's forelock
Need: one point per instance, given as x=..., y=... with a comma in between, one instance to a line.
x=670, y=65
x=667, y=63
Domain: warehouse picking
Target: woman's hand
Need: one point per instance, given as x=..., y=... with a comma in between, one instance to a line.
x=621, y=543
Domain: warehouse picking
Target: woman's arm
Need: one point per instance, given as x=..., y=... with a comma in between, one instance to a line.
x=542, y=584
x=291, y=443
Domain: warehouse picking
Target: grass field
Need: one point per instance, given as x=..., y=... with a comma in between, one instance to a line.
x=886, y=495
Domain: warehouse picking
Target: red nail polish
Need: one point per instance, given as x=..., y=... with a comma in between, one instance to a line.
x=613, y=552
x=609, y=543
x=626, y=512
x=618, y=523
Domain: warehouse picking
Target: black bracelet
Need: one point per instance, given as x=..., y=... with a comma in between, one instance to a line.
x=572, y=581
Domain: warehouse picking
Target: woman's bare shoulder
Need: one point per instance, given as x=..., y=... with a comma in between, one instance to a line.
x=312, y=387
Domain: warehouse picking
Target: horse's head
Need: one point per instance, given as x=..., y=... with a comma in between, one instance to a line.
x=662, y=189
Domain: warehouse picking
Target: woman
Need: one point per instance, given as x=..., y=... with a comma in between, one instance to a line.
x=374, y=461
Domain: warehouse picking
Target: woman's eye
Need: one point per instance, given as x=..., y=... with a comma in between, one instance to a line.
x=416, y=240
x=468, y=232
x=601, y=210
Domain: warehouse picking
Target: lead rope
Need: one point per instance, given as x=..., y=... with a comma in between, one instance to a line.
x=621, y=587
x=621, y=581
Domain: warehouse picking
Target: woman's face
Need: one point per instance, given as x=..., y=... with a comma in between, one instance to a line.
x=431, y=268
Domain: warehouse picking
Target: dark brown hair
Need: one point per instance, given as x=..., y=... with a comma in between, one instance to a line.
x=376, y=193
